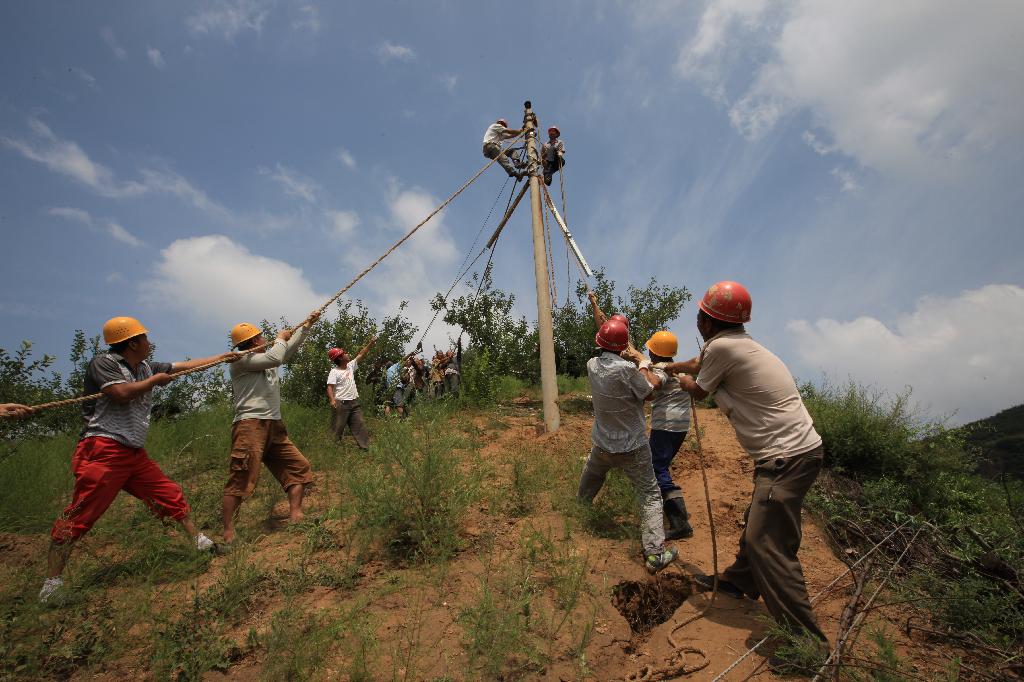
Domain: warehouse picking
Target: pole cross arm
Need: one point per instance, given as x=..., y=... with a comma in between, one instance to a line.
x=568, y=235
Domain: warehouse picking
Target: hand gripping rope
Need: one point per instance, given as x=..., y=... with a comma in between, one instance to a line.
x=319, y=311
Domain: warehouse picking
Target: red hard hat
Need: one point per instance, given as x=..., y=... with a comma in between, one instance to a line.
x=613, y=335
x=727, y=301
x=621, y=318
x=555, y=130
x=502, y=122
x=335, y=353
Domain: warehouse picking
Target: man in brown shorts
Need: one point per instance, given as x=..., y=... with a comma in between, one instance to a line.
x=258, y=436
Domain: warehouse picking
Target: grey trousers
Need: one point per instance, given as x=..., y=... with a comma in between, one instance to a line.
x=349, y=413
x=636, y=465
x=767, y=562
x=451, y=384
x=492, y=150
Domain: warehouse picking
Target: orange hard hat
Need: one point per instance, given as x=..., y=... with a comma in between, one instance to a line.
x=613, y=336
x=663, y=343
x=727, y=301
x=242, y=332
x=335, y=353
x=118, y=329
x=555, y=130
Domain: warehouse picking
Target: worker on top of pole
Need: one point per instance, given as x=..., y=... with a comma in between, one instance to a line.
x=756, y=391
x=670, y=420
x=344, y=395
x=552, y=154
x=495, y=134
x=111, y=454
x=619, y=436
x=258, y=435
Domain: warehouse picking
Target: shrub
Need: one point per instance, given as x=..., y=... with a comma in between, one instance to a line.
x=410, y=493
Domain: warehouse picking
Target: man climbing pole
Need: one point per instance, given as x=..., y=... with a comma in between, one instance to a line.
x=619, y=436
x=495, y=134
x=344, y=395
x=552, y=154
x=670, y=420
x=111, y=455
x=258, y=435
x=756, y=391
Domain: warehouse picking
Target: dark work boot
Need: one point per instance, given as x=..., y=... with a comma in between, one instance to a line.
x=678, y=524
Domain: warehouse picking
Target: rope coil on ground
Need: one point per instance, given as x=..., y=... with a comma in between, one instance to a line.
x=319, y=311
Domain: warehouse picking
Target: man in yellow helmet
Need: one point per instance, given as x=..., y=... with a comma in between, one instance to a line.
x=670, y=420
x=258, y=435
x=111, y=454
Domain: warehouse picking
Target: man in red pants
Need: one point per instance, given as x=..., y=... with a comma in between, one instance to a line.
x=110, y=456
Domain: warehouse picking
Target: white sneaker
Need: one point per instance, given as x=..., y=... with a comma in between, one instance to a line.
x=50, y=587
x=203, y=543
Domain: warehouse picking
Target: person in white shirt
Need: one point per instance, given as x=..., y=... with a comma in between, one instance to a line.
x=496, y=133
x=757, y=393
x=344, y=396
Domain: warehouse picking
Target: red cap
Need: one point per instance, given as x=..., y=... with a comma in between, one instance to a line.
x=727, y=301
x=613, y=336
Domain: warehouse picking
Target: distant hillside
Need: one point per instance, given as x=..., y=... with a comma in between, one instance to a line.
x=1001, y=439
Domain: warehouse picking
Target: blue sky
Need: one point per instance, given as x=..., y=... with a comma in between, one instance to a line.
x=856, y=165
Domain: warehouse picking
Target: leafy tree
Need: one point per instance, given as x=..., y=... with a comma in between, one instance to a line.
x=486, y=317
x=305, y=377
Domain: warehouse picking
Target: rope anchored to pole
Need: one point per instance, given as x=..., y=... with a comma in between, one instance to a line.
x=313, y=316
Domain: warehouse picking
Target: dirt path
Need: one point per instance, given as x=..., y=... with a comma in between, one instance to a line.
x=420, y=615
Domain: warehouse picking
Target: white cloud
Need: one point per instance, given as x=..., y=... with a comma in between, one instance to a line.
x=449, y=82
x=346, y=158
x=388, y=51
x=220, y=282
x=156, y=57
x=86, y=77
x=122, y=235
x=67, y=158
x=293, y=183
x=308, y=19
x=847, y=180
x=897, y=86
x=961, y=354
x=75, y=214
x=342, y=223
x=228, y=18
x=107, y=34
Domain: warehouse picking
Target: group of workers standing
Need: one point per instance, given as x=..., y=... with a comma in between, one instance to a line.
x=757, y=393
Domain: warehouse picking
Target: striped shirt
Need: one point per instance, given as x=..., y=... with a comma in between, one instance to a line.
x=670, y=404
x=127, y=423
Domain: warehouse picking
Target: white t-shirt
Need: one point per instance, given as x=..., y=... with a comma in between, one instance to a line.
x=755, y=390
x=496, y=133
x=344, y=381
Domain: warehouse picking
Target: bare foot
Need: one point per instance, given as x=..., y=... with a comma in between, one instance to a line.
x=229, y=536
x=295, y=517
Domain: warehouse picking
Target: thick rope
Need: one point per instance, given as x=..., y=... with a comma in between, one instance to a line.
x=321, y=309
x=464, y=269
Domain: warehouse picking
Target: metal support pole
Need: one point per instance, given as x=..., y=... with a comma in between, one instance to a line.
x=545, y=327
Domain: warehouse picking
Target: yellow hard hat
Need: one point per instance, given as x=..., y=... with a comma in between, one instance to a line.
x=118, y=329
x=663, y=343
x=242, y=332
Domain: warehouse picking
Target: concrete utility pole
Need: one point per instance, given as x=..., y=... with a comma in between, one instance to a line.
x=548, y=377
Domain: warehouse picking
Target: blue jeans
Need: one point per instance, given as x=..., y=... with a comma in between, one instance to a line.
x=664, y=446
